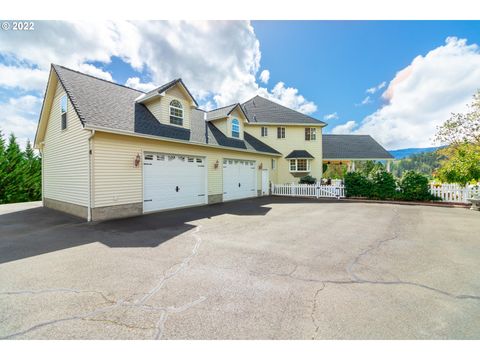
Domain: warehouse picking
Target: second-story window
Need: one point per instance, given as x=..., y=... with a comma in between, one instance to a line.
x=63, y=111
x=280, y=133
x=235, y=128
x=176, y=112
x=310, y=134
x=264, y=131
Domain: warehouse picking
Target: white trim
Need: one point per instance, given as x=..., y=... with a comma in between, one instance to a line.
x=90, y=176
x=287, y=124
x=161, y=138
x=355, y=159
x=144, y=97
x=309, y=165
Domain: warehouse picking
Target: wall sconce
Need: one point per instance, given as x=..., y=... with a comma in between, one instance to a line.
x=137, y=160
x=215, y=166
x=340, y=163
x=260, y=167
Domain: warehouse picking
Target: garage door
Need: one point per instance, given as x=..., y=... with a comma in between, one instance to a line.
x=239, y=179
x=172, y=181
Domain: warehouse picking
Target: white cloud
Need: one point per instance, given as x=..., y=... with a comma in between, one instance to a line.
x=346, y=128
x=424, y=94
x=136, y=83
x=365, y=101
x=265, y=76
x=332, y=116
x=22, y=77
x=217, y=60
x=374, y=89
x=20, y=116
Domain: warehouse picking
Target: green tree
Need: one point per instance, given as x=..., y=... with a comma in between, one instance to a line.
x=383, y=185
x=414, y=186
x=462, y=128
x=462, y=164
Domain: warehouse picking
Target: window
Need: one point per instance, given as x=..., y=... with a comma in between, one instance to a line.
x=281, y=133
x=176, y=113
x=299, y=165
x=235, y=128
x=273, y=164
x=63, y=111
x=264, y=131
x=310, y=134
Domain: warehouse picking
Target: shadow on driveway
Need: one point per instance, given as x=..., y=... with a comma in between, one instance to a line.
x=38, y=231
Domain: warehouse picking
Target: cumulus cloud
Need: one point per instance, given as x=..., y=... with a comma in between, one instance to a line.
x=218, y=60
x=136, y=83
x=332, y=116
x=346, y=128
x=374, y=89
x=20, y=116
x=265, y=76
x=424, y=94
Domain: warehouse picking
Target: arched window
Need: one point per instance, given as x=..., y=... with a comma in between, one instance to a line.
x=176, y=112
x=235, y=128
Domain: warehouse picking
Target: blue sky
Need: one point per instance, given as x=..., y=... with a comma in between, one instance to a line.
x=395, y=80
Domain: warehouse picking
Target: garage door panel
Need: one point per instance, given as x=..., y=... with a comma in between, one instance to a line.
x=239, y=179
x=172, y=181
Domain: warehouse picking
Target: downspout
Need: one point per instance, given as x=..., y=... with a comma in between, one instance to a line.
x=89, y=210
x=42, y=145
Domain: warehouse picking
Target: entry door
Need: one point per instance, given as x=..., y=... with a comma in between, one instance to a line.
x=265, y=182
x=239, y=179
x=172, y=181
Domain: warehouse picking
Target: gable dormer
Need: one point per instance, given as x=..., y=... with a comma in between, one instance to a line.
x=230, y=120
x=171, y=104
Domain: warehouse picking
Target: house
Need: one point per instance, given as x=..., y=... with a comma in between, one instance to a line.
x=111, y=151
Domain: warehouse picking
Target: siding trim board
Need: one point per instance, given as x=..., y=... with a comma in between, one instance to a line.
x=153, y=137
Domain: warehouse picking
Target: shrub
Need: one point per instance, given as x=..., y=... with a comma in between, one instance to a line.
x=307, y=180
x=414, y=186
x=357, y=184
x=383, y=185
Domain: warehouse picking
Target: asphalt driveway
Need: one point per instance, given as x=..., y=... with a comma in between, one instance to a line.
x=267, y=268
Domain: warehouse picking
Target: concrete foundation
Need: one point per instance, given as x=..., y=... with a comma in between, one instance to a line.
x=214, y=199
x=69, y=208
x=116, y=211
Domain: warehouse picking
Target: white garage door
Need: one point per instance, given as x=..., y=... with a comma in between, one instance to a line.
x=172, y=181
x=239, y=179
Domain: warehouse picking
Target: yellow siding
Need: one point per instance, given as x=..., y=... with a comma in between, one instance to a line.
x=160, y=107
x=65, y=156
x=294, y=140
x=117, y=181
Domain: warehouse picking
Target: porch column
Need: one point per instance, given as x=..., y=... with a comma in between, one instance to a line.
x=353, y=165
x=388, y=165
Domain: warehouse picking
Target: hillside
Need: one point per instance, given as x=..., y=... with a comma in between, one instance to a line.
x=403, y=153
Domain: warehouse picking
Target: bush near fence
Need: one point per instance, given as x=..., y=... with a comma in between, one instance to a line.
x=382, y=185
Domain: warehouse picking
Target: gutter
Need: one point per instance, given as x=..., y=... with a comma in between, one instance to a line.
x=153, y=137
x=90, y=176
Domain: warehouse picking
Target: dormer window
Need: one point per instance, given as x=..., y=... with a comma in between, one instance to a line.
x=235, y=128
x=176, y=112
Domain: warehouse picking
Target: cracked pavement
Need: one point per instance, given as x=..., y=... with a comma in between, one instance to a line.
x=265, y=268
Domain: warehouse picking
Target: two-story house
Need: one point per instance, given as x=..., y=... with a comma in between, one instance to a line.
x=112, y=151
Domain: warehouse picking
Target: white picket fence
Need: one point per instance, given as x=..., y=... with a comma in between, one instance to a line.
x=307, y=190
x=455, y=192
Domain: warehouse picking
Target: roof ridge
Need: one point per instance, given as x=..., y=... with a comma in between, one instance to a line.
x=346, y=135
x=97, y=78
x=223, y=107
x=285, y=107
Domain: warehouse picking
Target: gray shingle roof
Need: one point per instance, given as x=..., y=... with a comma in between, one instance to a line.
x=168, y=85
x=261, y=110
x=347, y=147
x=101, y=103
x=220, y=112
x=299, y=154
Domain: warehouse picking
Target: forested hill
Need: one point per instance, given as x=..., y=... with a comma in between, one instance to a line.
x=423, y=162
x=403, y=153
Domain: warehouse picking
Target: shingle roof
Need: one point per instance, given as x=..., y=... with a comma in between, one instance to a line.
x=170, y=84
x=220, y=112
x=347, y=147
x=299, y=154
x=261, y=110
x=104, y=104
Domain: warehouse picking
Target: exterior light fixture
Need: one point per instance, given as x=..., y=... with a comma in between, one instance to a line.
x=260, y=167
x=215, y=166
x=137, y=160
